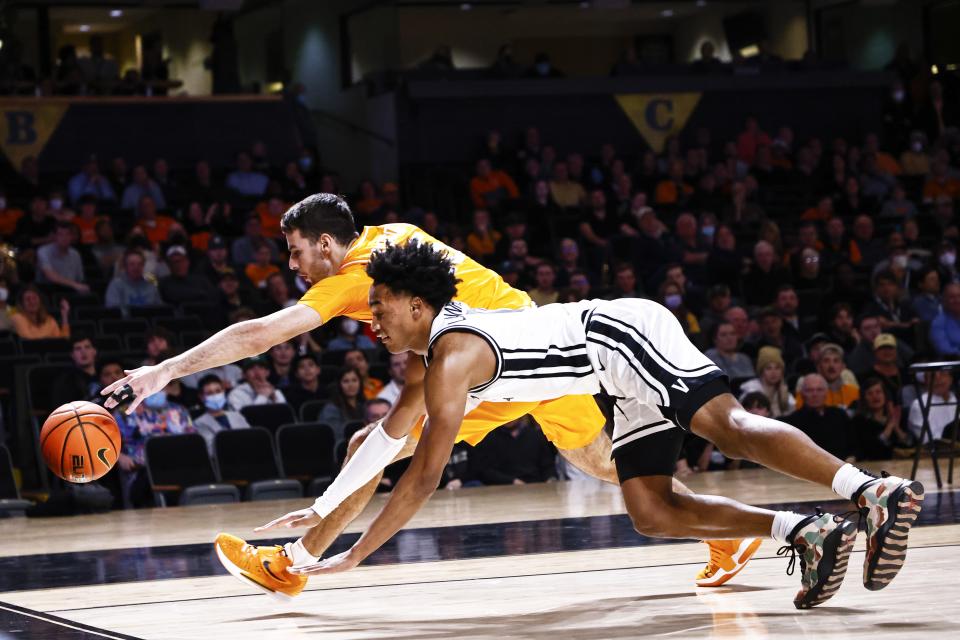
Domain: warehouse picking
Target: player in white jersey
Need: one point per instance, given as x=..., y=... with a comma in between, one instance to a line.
x=637, y=351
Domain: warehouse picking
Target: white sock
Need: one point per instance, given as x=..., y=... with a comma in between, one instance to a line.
x=848, y=480
x=299, y=554
x=784, y=522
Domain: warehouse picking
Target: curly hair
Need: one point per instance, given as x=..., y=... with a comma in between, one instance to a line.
x=415, y=268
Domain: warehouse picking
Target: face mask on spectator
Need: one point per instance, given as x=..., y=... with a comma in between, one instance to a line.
x=306, y=162
x=350, y=326
x=157, y=400
x=948, y=259
x=708, y=231
x=898, y=95
x=3, y=294
x=899, y=261
x=917, y=147
x=215, y=401
x=56, y=203
x=673, y=300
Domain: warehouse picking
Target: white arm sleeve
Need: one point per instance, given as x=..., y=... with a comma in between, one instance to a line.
x=376, y=452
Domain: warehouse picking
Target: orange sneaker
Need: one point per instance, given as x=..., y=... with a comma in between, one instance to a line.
x=727, y=558
x=263, y=567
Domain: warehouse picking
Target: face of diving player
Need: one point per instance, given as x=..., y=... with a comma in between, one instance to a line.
x=314, y=261
x=401, y=321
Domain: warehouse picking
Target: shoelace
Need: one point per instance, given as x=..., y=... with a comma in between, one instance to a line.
x=792, y=547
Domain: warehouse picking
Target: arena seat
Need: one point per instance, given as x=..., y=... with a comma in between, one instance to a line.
x=246, y=458
x=306, y=454
x=311, y=409
x=11, y=504
x=268, y=416
x=180, y=465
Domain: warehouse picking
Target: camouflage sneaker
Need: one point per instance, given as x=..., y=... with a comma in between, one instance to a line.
x=890, y=506
x=824, y=543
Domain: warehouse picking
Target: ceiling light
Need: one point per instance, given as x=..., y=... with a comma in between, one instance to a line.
x=116, y=13
x=934, y=70
x=84, y=28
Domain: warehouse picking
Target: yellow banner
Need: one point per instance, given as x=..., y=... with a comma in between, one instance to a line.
x=657, y=116
x=25, y=129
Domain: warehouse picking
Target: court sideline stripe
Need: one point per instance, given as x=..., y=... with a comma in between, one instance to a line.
x=448, y=581
x=70, y=624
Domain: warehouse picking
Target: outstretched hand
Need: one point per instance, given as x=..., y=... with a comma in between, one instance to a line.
x=302, y=518
x=144, y=381
x=335, y=564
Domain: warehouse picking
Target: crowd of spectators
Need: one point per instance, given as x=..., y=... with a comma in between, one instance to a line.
x=811, y=271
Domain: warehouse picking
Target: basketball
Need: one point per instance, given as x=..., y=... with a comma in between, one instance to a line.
x=80, y=441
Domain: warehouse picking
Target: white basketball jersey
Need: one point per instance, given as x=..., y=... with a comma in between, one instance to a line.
x=541, y=353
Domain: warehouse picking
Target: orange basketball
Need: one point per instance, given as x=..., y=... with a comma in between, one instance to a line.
x=80, y=441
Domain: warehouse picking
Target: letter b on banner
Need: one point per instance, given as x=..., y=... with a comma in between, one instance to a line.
x=21, y=128
x=657, y=116
x=25, y=129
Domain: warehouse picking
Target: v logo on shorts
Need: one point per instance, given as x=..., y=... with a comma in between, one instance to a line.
x=679, y=385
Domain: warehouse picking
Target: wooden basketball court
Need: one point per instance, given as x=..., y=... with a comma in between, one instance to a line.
x=539, y=561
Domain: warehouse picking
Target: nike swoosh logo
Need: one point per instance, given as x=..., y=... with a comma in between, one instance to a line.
x=266, y=567
x=103, y=458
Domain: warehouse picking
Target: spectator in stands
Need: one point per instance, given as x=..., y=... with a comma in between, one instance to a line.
x=896, y=316
x=347, y=403
x=90, y=181
x=840, y=329
x=270, y=213
x=31, y=320
x=545, y=292
x=941, y=182
x=119, y=175
x=885, y=366
x=180, y=287
x=937, y=113
x=86, y=220
x=827, y=426
x=9, y=215
x=673, y=190
x=58, y=263
x=357, y=359
x=281, y=363
x=865, y=250
x=131, y=288
x=398, y=371
x=625, y=284
x=256, y=387
x=80, y=381
x=483, y=238
x=945, y=328
x=875, y=429
x=830, y=366
x=689, y=249
x=941, y=408
x=201, y=188
x=565, y=192
x=216, y=263
x=770, y=383
x=719, y=300
x=898, y=206
x=155, y=416
x=158, y=342
x=489, y=187
x=787, y=304
x=724, y=352
x=156, y=227
x=306, y=382
x=258, y=271
x=772, y=334
x=750, y=139
x=516, y=453
x=765, y=276
x=105, y=250
x=218, y=415
x=349, y=337
x=244, y=180
x=278, y=294
x=142, y=185
x=232, y=296
x=37, y=228
x=671, y=296
x=926, y=302
x=243, y=249
x=110, y=371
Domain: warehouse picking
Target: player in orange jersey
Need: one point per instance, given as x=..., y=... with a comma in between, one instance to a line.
x=327, y=252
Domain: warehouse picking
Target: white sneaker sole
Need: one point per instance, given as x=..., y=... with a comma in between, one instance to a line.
x=235, y=571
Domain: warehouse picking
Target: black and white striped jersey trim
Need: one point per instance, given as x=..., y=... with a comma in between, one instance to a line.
x=497, y=352
x=553, y=362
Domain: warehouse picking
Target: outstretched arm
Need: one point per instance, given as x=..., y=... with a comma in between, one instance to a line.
x=460, y=362
x=238, y=341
